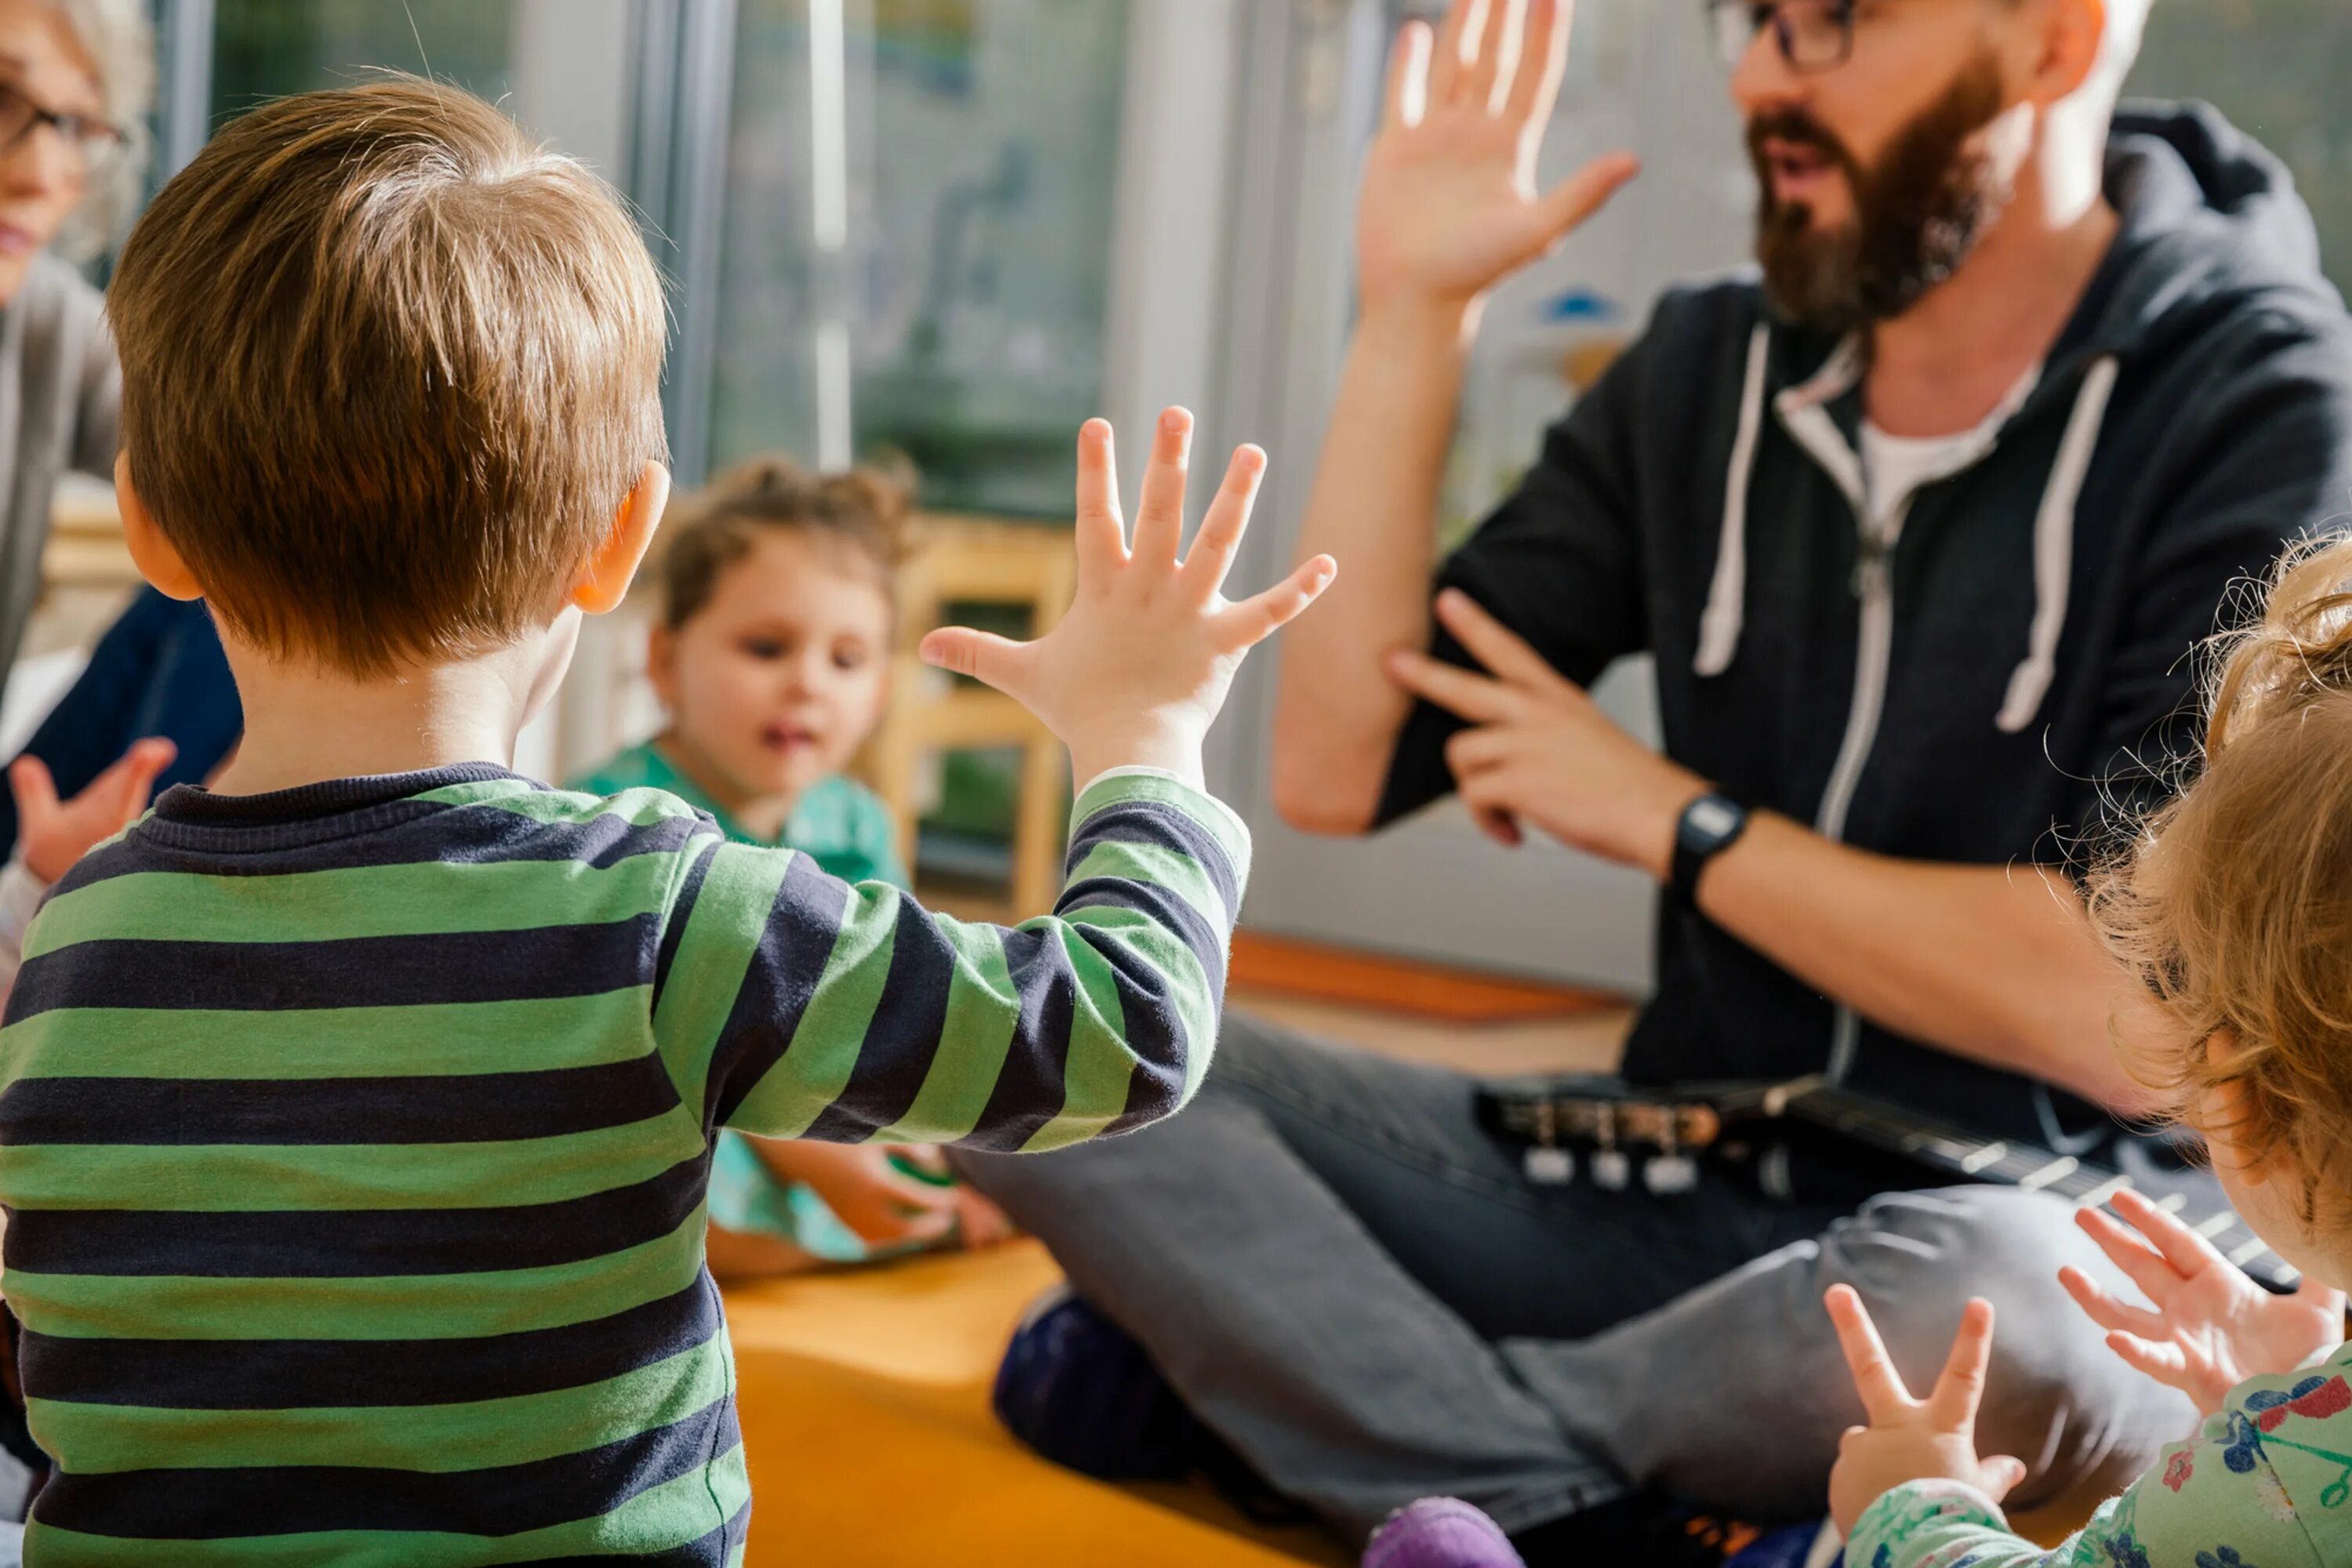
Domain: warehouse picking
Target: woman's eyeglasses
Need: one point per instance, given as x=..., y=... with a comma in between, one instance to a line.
x=96, y=145
x=1814, y=35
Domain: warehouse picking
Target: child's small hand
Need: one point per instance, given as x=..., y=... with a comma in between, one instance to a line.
x=2213, y=1327
x=1909, y=1439
x=882, y=1205
x=51, y=835
x=1135, y=671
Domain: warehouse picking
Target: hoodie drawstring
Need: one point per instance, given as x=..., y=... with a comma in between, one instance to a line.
x=1718, y=628
x=2054, y=538
x=2053, y=548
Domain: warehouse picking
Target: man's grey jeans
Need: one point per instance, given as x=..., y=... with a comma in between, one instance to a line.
x=1355, y=1286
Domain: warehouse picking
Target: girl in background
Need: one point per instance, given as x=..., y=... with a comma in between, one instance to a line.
x=772, y=656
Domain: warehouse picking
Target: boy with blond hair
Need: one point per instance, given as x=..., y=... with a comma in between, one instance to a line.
x=356, y=1118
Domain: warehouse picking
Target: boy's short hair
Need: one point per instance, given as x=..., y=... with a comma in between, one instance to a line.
x=2233, y=905
x=860, y=516
x=390, y=369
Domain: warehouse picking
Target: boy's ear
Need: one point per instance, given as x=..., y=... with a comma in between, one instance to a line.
x=604, y=580
x=661, y=663
x=155, y=556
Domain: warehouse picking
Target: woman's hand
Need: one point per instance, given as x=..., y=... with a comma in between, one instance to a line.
x=2211, y=1328
x=882, y=1205
x=51, y=834
x=1912, y=1439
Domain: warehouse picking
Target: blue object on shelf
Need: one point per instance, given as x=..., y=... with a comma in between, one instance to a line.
x=1580, y=305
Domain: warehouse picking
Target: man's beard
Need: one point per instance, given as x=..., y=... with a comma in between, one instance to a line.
x=1917, y=214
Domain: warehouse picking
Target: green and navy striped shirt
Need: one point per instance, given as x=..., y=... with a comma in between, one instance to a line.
x=353, y=1142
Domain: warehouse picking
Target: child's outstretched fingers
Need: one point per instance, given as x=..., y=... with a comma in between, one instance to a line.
x=1255, y=619
x=1159, y=513
x=1959, y=1390
x=2103, y=1308
x=1883, y=1396
x=986, y=658
x=1102, y=530
x=1228, y=518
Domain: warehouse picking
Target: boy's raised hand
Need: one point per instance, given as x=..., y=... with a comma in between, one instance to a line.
x=1134, y=674
x=51, y=834
x=1912, y=1439
x=2213, y=1327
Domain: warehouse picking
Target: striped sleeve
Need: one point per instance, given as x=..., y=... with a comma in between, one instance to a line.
x=796, y=1006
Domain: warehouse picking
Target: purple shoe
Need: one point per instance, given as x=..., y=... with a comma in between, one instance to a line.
x=1439, y=1533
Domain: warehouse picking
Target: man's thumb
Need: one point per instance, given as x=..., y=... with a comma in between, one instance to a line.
x=1587, y=190
x=1999, y=1474
x=985, y=657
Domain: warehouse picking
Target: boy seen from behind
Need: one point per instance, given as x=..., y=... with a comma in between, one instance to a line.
x=356, y=1116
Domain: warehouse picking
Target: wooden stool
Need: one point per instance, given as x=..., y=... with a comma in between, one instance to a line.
x=967, y=560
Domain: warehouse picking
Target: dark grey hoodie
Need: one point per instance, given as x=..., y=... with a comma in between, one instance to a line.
x=1977, y=686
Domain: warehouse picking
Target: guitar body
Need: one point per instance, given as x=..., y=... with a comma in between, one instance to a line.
x=1807, y=1140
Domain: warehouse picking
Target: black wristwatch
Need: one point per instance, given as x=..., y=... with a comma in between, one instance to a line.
x=1709, y=825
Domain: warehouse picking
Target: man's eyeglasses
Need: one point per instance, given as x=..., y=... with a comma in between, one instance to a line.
x=1814, y=35
x=97, y=146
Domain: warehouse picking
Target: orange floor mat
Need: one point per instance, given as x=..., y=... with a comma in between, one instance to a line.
x=866, y=1422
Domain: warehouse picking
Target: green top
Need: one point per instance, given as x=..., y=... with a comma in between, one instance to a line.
x=2267, y=1484
x=839, y=823
x=844, y=827
x=355, y=1138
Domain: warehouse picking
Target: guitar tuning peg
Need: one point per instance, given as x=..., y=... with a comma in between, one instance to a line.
x=1548, y=1167
x=1611, y=1171
x=1670, y=1174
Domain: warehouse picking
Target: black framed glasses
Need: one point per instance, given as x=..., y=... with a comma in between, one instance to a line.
x=1814, y=35
x=96, y=144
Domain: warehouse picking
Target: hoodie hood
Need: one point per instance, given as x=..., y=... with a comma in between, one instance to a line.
x=2211, y=221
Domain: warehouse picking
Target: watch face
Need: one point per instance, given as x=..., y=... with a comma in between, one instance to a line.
x=1710, y=819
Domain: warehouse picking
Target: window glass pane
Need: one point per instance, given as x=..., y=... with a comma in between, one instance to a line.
x=266, y=49
x=2278, y=69
x=921, y=263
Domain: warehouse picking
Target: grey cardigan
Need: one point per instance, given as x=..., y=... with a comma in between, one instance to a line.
x=60, y=408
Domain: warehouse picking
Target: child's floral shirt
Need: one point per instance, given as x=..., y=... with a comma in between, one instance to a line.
x=2267, y=1484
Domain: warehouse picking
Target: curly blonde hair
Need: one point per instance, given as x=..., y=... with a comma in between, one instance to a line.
x=2233, y=904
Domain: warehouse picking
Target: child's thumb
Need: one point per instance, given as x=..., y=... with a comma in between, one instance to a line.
x=984, y=655
x=1998, y=1474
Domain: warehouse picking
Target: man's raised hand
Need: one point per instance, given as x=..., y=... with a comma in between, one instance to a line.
x=1912, y=1439
x=1449, y=204
x=1138, y=668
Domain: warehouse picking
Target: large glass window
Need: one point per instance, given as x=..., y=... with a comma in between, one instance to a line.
x=266, y=49
x=2278, y=69
x=917, y=237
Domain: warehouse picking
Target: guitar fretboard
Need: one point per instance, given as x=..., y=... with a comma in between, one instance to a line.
x=2031, y=1168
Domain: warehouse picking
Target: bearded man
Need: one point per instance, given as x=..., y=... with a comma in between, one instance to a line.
x=1922, y=522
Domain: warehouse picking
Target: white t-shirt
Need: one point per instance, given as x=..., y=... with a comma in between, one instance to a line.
x=1897, y=468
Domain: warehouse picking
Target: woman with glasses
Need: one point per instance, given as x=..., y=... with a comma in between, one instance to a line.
x=76, y=76
x=75, y=80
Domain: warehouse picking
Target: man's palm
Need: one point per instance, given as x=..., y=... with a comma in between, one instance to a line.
x=1449, y=204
